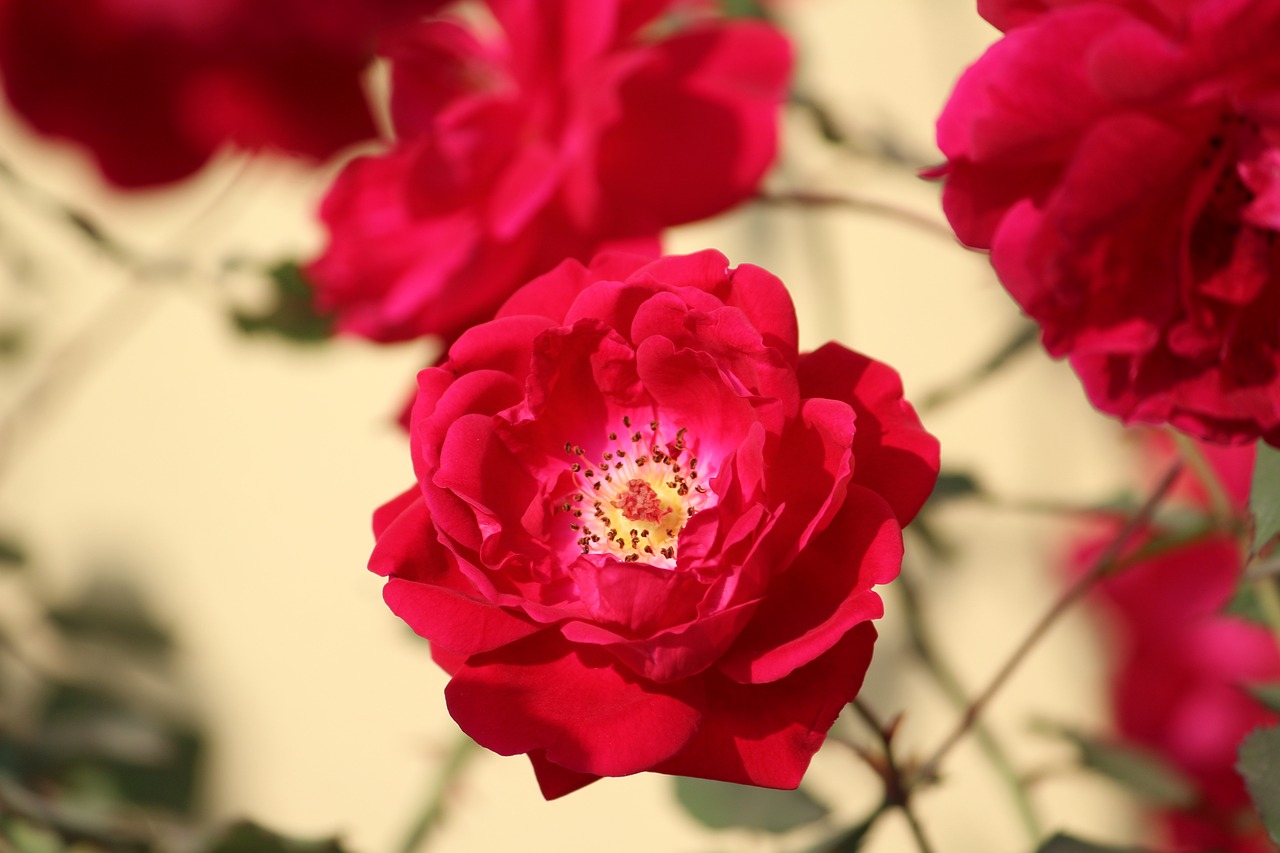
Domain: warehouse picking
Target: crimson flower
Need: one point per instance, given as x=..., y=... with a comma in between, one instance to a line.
x=577, y=124
x=646, y=530
x=1179, y=684
x=153, y=89
x=1121, y=162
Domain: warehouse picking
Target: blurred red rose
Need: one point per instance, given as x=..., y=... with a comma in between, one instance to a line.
x=576, y=125
x=1181, y=676
x=153, y=88
x=646, y=530
x=1121, y=161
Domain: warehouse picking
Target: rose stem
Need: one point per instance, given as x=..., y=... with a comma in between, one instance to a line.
x=897, y=793
x=1022, y=340
x=860, y=204
x=1105, y=564
x=946, y=679
x=436, y=805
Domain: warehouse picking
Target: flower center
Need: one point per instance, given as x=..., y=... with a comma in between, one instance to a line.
x=633, y=503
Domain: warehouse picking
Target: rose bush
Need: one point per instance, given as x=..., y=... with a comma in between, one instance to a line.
x=153, y=89
x=646, y=530
x=1121, y=161
x=1180, y=679
x=576, y=125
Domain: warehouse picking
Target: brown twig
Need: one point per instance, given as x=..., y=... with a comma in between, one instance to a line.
x=1102, y=566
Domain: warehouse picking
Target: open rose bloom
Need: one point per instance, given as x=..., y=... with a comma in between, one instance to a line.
x=646, y=530
x=564, y=127
x=1182, y=671
x=153, y=88
x=1121, y=162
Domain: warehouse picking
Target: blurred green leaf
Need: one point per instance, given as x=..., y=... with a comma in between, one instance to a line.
x=293, y=314
x=722, y=805
x=12, y=554
x=952, y=485
x=1244, y=604
x=1259, y=764
x=99, y=746
x=112, y=609
x=745, y=9
x=1143, y=772
x=848, y=840
x=247, y=837
x=29, y=838
x=1264, y=496
x=1267, y=694
x=1062, y=843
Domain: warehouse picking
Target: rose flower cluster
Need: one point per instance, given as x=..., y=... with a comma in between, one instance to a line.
x=1183, y=669
x=153, y=89
x=1120, y=159
x=646, y=530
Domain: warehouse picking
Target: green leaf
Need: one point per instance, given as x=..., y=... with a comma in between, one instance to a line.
x=12, y=554
x=293, y=316
x=722, y=805
x=1268, y=694
x=952, y=485
x=1244, y=604
x=1144, y=773
x=29, y=838
x=848, y=840
x=247, y=837
x=112, y=609
x=1258, y=762
x=1264, y=496
x=745, y=9
x=1062, y=843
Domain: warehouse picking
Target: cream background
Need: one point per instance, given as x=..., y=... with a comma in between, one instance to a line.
x=235, y=478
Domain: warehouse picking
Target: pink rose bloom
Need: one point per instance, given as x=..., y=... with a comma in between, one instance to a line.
x=576, y=124
x=1121, y=162
x=153, y=88
x=646, y=530
x=1179, y=682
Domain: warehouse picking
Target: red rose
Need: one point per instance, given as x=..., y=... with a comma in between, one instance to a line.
x=1180, y=679
x=646, y=530
x=153, y=88
x=1121, y=161
x=573, y=127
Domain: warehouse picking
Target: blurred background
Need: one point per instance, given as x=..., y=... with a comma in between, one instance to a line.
x=149, y=442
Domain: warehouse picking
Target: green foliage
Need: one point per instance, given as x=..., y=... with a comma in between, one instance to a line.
x=1258, y=761
x=1144, y=773
x=247, y=837
x=293, y=315
x=1268, y=694
x=723, y=805
x=1062, y=843
x=849, y=840
x=745, y=9
x=12, y=554
x=1264, y=496
x=110, y=610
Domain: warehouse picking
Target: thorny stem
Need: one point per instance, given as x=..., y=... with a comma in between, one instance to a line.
x=436, y=805
x=950, y=685
x=860, y=204
x=897, y=790
x=1022, y=340
x=1106, y=562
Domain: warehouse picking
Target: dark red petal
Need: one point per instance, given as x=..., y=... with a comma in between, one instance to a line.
x=825, y=593
x=893, y=456
x=576, y=704
x=766, y=734
x=555, y=781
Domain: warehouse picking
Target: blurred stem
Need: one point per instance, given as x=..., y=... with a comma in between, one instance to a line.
x=871, y=143
x=1269, y=602
x=1022, y=340
x=436, y=806
x=859, y=204
x=946, y=679
x=1220, y=505
x=1106, y=563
